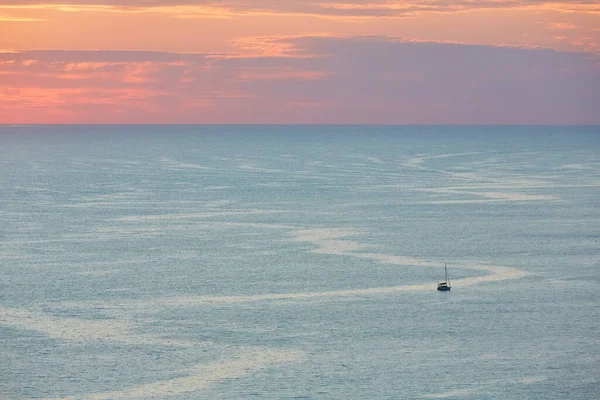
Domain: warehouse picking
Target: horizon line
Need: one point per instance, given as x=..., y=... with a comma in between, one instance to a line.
x=291, y=124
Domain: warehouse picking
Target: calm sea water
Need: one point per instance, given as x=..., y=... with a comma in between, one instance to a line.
x=299, y=262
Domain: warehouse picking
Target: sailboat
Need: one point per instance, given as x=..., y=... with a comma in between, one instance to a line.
x=444, y=286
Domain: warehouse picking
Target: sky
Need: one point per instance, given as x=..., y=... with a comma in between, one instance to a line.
x=300, y=61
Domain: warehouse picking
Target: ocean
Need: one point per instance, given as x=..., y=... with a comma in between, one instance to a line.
x=299, y=262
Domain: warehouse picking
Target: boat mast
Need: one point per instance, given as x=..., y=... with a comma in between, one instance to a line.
x=446, y=272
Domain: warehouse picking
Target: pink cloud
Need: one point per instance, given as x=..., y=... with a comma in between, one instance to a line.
x=317, y=79
x=274, y=73
x=332, y=8
x=562, y=25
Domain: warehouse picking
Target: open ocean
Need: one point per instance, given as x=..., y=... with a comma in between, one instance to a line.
x=299, y=262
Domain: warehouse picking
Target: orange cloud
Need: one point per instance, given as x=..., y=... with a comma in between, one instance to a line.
x=88, y=66
x=135, y=24
x=9, y=18
x=320, y=8
x=562, y=25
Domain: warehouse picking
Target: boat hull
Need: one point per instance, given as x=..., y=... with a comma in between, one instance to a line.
x=443, y=287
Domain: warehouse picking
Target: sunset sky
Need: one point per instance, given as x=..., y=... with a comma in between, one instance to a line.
x=300, y=61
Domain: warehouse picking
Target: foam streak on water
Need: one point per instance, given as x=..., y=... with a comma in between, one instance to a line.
x=200, y=377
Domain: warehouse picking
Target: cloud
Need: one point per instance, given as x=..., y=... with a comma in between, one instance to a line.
x=101, y=56
x=562, y=25
x=330, y=8
x=275, y=73
x=310, y=79
x=8, y=18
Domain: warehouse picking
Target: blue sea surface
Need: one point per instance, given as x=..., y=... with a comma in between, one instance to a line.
x=299, y=262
